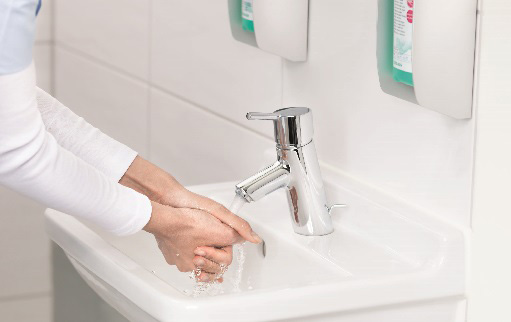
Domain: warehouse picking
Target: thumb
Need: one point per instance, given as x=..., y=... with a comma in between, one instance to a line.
x=227, y=217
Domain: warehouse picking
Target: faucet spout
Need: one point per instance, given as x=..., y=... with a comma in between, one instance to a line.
x=264, y=182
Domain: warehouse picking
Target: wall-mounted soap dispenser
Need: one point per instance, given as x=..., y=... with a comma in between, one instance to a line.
x=403, y=41
x=278, y=27
x=441, y=38
x=247, y=15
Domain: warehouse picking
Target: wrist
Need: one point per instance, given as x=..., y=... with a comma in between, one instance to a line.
x=157, y=220
x=165, y=221
x=148, y=179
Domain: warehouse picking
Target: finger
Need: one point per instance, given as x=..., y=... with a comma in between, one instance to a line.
x=206, y=277
x=222, y=256
x=228, y=235
x=230, y=219
x=206, y=265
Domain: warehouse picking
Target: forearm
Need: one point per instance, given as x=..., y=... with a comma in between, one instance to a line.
x=31, y=162
x=109, y=156
x=82, y=139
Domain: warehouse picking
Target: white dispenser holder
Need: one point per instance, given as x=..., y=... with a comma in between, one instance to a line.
x=444, y=46
x=280, y=27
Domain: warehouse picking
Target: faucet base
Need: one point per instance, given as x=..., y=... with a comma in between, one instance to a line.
x=305, y=192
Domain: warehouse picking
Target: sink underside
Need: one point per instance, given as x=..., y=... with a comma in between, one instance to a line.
x=375, y=257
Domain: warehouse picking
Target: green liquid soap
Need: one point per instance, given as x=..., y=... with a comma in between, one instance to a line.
x=247, y=17
x=403, y=41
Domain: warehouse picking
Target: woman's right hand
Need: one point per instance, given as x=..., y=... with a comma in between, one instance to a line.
x=191, y=238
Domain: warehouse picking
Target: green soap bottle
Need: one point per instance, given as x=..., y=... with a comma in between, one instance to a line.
x=247, y=17
x=403, y=41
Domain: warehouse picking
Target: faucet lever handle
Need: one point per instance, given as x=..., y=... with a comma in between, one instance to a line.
x=263, y=116
x=292, y=125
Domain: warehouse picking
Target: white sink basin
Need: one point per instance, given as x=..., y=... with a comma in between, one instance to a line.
x=375, y=257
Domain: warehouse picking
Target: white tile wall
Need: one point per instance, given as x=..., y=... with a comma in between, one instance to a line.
x=43, y=49
x=38, y=309
x=414, y=153
x=24, y=246
x=488, y=280
x=194, y=56
x=111, y=101
x=199, y=147
x=45, y=22
x=113, y=31
x=43, y=62
x=189, y=53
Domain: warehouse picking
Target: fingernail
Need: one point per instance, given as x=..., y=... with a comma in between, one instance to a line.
x=200, y=252
x=256, y=237
x=199, y=263
x=205, y=278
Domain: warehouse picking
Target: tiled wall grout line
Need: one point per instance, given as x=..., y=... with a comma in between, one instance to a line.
x=209, y=111
x=97, y=61
x=151, y=85
x=26, y=296
x=475, y=110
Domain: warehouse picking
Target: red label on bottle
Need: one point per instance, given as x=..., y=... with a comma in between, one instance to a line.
x=410, y=3
x=409, y=16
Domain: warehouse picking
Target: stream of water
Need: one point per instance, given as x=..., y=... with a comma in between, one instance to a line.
x=215, y=288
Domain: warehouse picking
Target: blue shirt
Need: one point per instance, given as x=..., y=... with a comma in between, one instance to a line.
x=17, y=33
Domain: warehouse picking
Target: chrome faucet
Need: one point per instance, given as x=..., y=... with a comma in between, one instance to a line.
x=296, y=169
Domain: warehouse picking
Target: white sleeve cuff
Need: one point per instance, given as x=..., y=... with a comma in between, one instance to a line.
x=143, y=210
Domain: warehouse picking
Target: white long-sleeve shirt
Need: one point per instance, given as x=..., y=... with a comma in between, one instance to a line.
x=50, y=154
x=33, y=163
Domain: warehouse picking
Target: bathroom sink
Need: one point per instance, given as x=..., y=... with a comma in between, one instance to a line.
x=380, y=254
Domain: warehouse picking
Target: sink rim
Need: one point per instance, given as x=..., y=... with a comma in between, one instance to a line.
x=409, y=284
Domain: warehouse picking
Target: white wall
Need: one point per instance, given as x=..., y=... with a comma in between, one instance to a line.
x=490, y=264
x=25, y=274
x=165, y=61
x=167, y=79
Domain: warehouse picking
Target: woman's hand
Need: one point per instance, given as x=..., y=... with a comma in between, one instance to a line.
x=181, y=197
x=161, y=187
x=190, y=239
